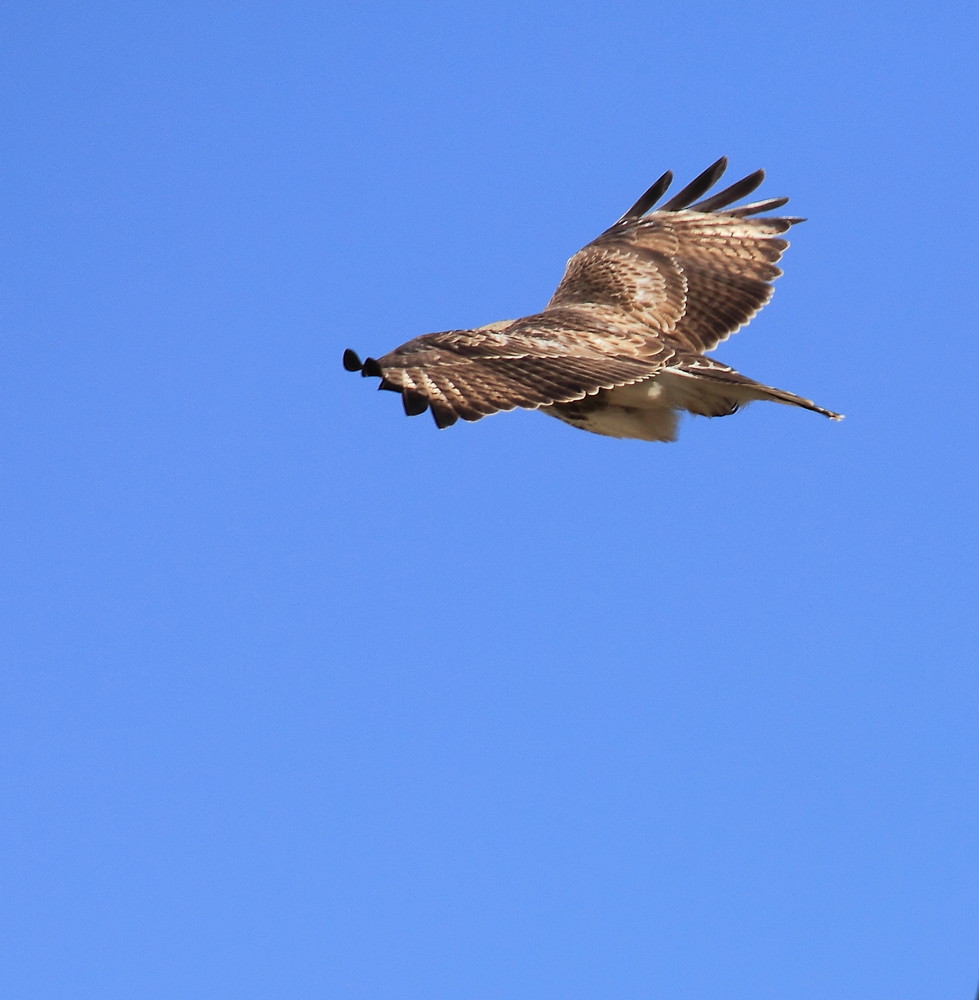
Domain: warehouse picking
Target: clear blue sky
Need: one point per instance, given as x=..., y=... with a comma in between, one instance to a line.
x=305, y=699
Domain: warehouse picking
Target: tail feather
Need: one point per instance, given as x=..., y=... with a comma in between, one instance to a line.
x=706, y=387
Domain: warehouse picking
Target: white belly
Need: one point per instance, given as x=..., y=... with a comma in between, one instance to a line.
x=643, y=411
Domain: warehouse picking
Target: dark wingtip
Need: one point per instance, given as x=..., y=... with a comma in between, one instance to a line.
x=444, y=417
x=700, y=185
x=389, y=385
x=371, y=369
x=413, y=402
x=351, y=361
x=740, y=189
x=650, y=197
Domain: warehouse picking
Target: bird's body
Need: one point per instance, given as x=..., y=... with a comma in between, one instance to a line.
x=620, y=348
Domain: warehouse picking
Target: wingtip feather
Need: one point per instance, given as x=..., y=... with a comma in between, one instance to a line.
x=413, y=402
x=732, y=193
x=700, y=185
x=649, y=197
x=443, y=417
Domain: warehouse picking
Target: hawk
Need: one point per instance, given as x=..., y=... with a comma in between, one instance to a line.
x=621, y=347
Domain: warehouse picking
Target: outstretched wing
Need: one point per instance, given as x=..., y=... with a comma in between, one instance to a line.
x=692, y=272
x=532, y=362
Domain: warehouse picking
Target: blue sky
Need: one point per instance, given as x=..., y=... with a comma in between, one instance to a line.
x=305, y=699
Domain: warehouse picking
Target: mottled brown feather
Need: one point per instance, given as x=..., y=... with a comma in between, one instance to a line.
x=471, y=373
x=692, y=277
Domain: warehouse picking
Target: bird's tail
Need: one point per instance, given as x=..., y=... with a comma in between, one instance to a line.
x=702, y=385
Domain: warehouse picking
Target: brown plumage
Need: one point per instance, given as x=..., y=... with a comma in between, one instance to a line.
x=619, y=349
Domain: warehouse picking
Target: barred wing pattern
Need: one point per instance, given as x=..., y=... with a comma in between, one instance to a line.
x=551, y=358
x=692, y=275
x=625, y=331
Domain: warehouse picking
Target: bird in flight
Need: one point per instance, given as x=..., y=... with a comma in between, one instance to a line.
x=621, y=347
